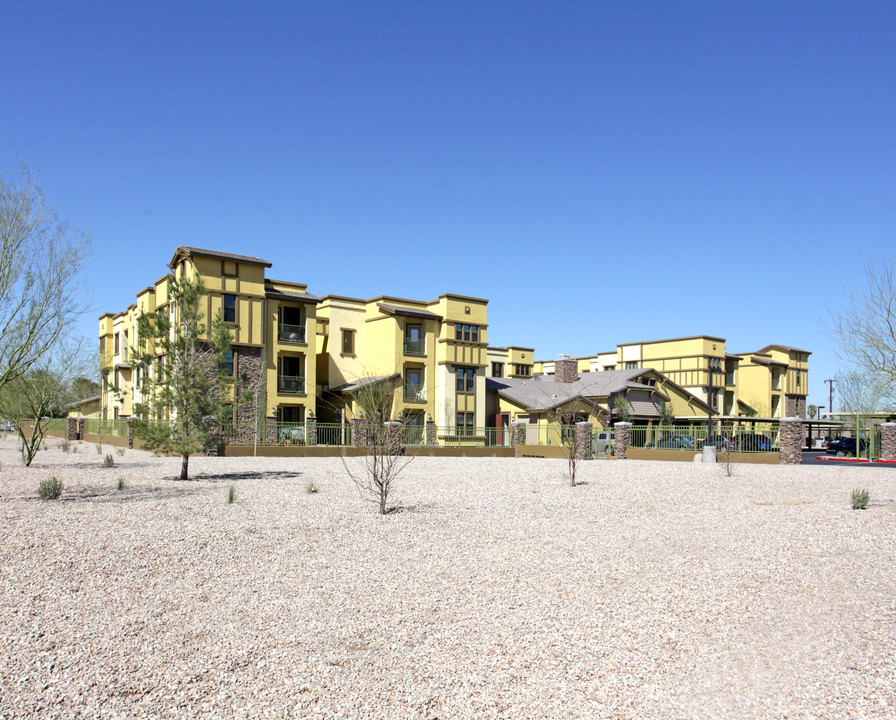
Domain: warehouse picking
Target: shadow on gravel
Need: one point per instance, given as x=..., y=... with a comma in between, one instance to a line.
x=250, y=475
x=111, y=494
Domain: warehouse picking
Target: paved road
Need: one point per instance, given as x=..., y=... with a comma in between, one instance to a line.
x=810, y=458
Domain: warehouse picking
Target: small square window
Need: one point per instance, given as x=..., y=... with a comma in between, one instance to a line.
x=348, y=342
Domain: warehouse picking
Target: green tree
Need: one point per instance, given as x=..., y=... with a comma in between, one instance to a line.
x=186, y=392
x=30, y=400
x=40, y=259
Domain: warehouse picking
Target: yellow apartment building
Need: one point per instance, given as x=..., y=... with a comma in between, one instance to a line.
x=268, y=321
x=772, y=382
x=303, y=354
x=511, y=362
x=437, y=350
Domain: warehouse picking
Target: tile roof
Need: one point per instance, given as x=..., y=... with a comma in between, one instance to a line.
x=188, y=250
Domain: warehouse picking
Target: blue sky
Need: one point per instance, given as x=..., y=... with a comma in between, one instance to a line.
x=603, y=173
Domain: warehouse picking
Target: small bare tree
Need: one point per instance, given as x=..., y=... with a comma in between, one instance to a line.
x=384, y=461
x=567, y=417
x=40, y=258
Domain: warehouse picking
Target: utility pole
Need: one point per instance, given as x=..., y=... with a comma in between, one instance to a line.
x=830, y=383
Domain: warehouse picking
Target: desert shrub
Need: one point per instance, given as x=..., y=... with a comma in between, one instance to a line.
x=49, y=489
x=231, y=495
x=860, y=499
x=108, y=460
x=99, y=449
x=119, y=452
x=311, y=488
x=65, y=446
x=120, y=485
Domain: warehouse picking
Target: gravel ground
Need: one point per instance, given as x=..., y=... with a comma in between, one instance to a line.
x=493, y=590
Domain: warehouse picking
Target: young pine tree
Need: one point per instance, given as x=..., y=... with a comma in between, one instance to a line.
x=186, y=388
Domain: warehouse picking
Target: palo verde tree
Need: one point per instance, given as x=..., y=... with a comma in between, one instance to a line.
x=40, y=259
x=29, y=401
x=566, y=416
x=187, y=388
x=864, y=329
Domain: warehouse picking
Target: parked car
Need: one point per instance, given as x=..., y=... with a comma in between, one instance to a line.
x=604, y=442
x=845, y=447
x=676, y=442
x=753, y=442
x=721, y=442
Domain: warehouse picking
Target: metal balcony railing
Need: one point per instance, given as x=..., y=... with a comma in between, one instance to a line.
x=290, y=384
x=414, y=347
x=413, y=391
x=291, y=333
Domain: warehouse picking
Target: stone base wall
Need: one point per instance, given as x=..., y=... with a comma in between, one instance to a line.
x=71, y=431
x=517, y=434
x=430, y=432
x=791, y=439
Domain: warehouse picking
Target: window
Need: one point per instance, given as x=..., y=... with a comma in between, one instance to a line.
x=797, y=377
x=348, y=342
x=465, y=423
x=229, y=308
x=228, y=363
x=631, y=365
x=468, y=333
x=465, y=379
x=497, y=369
x=609, y=367
x=414, y=340
x=116, y=344
x=289, y=377
x=523, y=370
x=715, y=363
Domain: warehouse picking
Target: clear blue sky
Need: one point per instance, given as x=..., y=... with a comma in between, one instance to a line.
x=602, y=172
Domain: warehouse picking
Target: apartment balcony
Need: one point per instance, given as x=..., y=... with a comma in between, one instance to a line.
x=414, y=347
x=291, y=333
x=729, y=379
x=414, y=392
x=290, y=384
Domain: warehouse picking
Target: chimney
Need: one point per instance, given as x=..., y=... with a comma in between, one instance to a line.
x=566, y=369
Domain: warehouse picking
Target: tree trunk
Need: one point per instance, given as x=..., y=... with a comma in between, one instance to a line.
x=183, y=467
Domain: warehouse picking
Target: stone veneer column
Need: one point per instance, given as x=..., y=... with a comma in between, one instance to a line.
x=394, y=433
x=130, y=433
x=81, y=425
x=71, y=431
x=583, y=440
x=888, y=442
x=566, y=370
x=311, y=431
x=248, y=364
x=620, y=444
x=430, y=432
x=790, y=439
x=517, y=434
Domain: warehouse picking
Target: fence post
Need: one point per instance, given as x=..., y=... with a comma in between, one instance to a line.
x=517, y=433
x=430, y=432
x=269, y=431
x=71, y=432
x=359, y=432
x=791, y=440
x=620, y=444
x=583, y=440
x=311, y=431
x=82, y=422
x=888, y=442
x=130, y=433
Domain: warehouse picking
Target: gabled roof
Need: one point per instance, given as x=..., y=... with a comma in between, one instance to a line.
x=351, y=387
x=188, y=251
x=785, y=348
x=409, y=312
x=543, y=392
x=303, y=296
